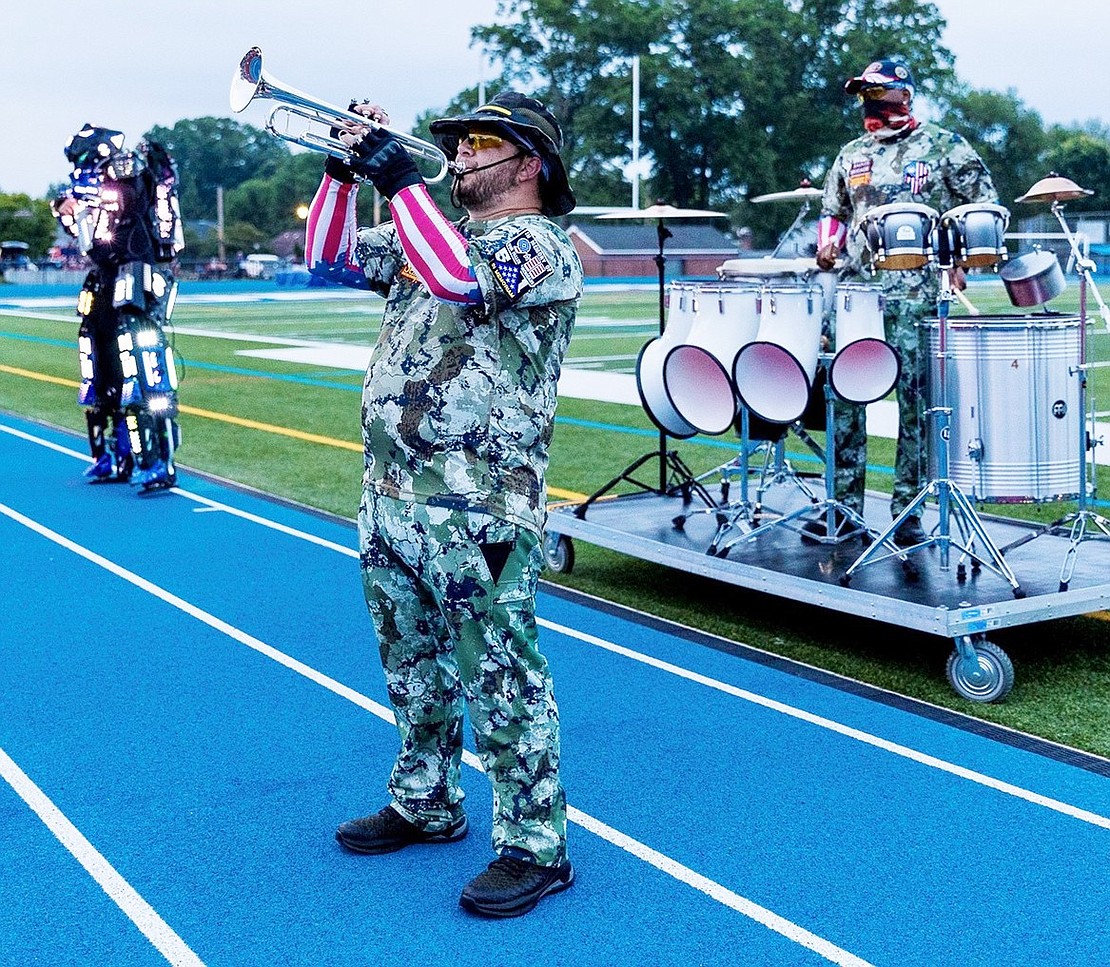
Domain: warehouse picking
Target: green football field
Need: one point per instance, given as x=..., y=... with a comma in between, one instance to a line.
x=292, y=429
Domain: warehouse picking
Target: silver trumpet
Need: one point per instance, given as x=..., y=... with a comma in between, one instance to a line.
x=249, y=82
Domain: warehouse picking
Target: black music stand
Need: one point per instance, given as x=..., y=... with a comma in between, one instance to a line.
x=684, y=480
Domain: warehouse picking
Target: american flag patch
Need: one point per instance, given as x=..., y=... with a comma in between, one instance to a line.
x=520, y=265
x=915, y=175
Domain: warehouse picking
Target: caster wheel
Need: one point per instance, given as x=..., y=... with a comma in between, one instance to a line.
x=961, y=574
x=679, y=523
x=558, y=553
x=988, y=677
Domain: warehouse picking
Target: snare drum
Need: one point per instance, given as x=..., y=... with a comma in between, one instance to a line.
x=697, y=373
x=774, y=373
x=899, y=236
x=978, y=234
x=649, y=365
x=1015, y=406
x=865, y=367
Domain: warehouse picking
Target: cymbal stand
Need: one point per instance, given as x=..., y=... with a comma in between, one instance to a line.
x=681, y=479
x=1082, y=518
x=1083, y=267
x=840, y=521
x=952, y=503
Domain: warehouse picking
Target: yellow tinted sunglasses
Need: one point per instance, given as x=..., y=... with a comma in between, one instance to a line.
x=481, y=140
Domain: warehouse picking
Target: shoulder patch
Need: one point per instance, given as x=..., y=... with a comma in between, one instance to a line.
x=860, y=173
x=519, y=265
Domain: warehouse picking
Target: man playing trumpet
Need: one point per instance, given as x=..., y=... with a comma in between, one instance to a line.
x=457, y=414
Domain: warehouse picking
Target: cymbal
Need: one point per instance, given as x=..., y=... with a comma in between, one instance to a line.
x=1054, y=188
x=663, y=211
x=792, y=195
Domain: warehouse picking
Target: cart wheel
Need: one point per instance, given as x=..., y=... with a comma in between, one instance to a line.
x=679, y=523
x=558, y=553
x=988, y=677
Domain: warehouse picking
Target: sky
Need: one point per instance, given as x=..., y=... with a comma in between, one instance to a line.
x=132, y=64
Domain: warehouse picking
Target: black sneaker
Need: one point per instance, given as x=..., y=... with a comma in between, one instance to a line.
x=388, y=831
x=510, y=887
x=909, y=532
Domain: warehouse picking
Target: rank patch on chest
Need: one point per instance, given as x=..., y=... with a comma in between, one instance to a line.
x=860, y=173
x=519, y=265
x=915, y=175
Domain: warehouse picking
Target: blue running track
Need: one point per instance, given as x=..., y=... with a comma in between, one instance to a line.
x=190, y=703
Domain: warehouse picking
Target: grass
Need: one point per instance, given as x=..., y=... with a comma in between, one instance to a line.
x=1062, y=666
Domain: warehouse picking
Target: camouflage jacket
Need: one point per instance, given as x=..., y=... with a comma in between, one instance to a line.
x=458, y=405
x=927, y=166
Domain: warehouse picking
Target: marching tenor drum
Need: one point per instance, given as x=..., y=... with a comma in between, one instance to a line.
x=649, y=365
x=865, y=367
x=978, y=234
x=1015, y=403
x=774, y=373
x=900, y=236
x=697, y=373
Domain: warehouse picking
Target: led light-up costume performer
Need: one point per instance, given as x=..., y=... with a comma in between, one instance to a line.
x=122, y=208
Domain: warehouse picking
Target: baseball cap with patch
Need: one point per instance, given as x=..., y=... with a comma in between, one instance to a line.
x=525, y=122
x=890, y=72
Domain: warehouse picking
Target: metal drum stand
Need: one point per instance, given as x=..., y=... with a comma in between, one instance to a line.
x=841, y=523
x=952, y=503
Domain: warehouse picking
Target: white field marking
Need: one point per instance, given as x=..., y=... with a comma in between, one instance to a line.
x=141, y=913
x=865, y=737
x=715, y=891
x=208, y=505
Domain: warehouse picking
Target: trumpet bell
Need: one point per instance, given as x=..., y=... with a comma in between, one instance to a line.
x=246, y=80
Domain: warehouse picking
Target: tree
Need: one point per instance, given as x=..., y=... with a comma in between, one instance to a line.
x=1010, y=138
x=29, y=220
x=1083, y=155
x=739, y=97
x=210, y=152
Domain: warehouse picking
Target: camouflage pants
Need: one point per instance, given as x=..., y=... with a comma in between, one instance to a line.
x=452, y=596
x=900, y=320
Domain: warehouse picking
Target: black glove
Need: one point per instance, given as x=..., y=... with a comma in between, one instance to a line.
x=380, y=157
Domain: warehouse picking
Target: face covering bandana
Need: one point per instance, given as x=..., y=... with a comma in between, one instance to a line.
x=878, y=115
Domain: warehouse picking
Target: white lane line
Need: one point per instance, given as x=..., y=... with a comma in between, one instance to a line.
x=141, y=913
x=867, y=738
x=846, y=730
x=659, y=861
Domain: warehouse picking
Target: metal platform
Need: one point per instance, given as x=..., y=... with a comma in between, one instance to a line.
x=963, y=603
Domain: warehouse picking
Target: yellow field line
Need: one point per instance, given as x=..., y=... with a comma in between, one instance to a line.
x=250, y=424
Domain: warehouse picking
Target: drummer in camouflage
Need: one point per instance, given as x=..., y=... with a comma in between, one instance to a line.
x=898, y=160
x=457, y=414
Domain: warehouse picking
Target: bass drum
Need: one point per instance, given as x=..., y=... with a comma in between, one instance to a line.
x=1015, y=406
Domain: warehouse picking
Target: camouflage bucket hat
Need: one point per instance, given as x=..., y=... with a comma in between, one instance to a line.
x=526, y=122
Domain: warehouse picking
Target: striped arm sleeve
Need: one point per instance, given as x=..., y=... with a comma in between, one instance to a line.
x=830, y=229
x=437, y=252
x=329, y=242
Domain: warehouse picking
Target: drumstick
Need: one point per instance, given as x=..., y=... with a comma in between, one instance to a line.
x=967, y=305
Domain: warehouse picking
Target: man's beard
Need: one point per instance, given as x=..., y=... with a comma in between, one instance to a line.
x=477, y=189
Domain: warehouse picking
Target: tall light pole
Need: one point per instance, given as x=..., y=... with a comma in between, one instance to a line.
x=636, y=131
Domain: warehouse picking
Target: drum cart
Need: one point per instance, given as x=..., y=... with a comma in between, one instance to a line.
x=965, y=606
